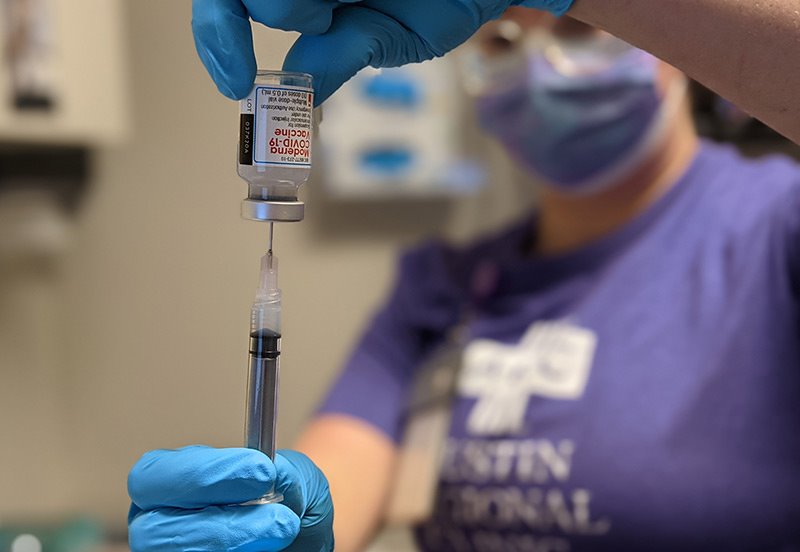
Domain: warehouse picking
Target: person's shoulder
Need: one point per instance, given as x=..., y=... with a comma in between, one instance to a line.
x=742, y=189
x=763, y=176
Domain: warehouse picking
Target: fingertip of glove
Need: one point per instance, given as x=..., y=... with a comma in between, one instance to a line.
x=263, y=468
x=287, y=523
x=235, y=81
x=280, y=521
x=223, y=40
x=234, y=91
x=240, y=528
x=195, y=476
x=296, y=62
x=136, y=475
x=139, y=531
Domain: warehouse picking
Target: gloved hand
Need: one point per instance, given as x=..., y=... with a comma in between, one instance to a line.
x=339, y=37
x=189, y=499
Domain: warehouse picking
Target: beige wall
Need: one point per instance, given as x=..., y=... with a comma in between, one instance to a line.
x=155, y=296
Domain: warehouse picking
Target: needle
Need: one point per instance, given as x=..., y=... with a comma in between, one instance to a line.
x=269, y=251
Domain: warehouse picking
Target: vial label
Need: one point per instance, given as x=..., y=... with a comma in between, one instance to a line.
x=275, y=126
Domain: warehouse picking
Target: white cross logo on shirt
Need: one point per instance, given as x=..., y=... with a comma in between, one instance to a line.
x=553, y=360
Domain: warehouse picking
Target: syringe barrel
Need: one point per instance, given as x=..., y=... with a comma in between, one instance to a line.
x=266, y=315
x=260, y=424
x=263, y=368
x=262, y=392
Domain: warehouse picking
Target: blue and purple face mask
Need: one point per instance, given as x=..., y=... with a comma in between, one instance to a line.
x=585, y=107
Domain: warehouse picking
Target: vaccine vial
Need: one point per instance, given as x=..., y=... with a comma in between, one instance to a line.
x=275, y=133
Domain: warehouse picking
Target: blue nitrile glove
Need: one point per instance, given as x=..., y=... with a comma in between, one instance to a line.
x=189, y=500
x=339, y=37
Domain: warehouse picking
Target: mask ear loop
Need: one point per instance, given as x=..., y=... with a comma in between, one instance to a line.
x=654, y=138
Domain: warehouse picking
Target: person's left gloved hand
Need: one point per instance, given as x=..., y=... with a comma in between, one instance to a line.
x=190, y=499
x=339, y=37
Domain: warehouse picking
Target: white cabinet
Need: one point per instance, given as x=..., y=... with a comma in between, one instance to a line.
x=63, y=72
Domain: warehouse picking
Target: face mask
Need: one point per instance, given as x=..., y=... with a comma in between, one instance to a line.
x=579, y=120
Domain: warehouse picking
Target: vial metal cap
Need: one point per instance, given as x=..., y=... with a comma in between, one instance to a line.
x=273, y=211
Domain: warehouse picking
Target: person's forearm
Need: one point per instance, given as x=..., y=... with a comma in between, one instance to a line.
x=745, y=50
x=358, y=461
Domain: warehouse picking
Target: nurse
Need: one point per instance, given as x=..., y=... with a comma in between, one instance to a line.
x=631, y=353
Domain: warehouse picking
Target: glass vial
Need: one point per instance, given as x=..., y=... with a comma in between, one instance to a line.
x=275, y=134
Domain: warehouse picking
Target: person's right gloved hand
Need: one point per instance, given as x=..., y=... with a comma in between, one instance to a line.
x=190, y=499
x=339, y=37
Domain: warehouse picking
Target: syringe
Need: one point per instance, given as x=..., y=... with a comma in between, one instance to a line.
x=265, y=350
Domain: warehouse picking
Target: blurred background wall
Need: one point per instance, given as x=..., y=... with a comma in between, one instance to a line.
x=139, y=341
